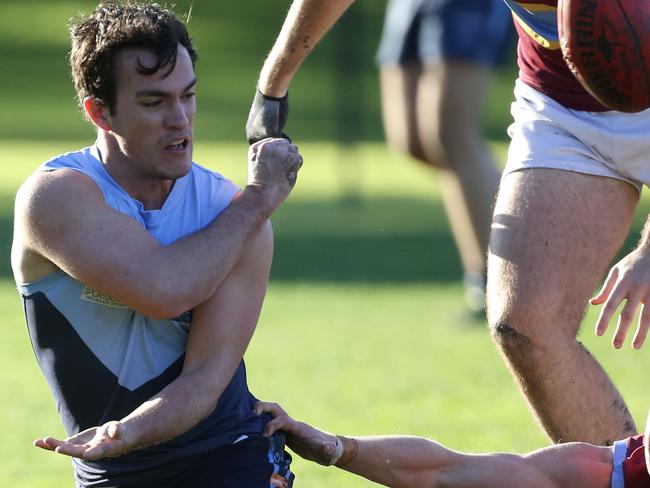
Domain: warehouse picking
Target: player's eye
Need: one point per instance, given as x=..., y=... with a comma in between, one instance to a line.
x=189, y=95
x=151, y=103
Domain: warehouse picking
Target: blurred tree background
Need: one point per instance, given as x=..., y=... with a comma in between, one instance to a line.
x=333, y=97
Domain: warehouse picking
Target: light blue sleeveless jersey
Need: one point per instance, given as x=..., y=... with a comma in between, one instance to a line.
x=102, y=360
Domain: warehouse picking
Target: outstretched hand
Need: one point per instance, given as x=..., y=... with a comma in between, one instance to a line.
x=303, y=439
x=104, y=441
x=628, y=280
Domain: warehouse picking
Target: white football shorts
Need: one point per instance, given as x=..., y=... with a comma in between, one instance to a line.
x=545, y=134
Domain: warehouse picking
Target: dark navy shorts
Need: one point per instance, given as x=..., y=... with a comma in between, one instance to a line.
x=255, y=462
x=435, y=30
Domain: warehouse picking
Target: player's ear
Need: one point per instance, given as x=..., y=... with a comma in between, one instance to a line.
x=97, y=112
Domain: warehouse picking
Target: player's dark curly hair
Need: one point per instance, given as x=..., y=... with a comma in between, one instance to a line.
x=112, y=27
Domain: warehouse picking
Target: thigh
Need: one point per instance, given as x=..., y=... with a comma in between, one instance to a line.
x=399, y=85
x=553, y=234
x=450, y=100
x=430, y=109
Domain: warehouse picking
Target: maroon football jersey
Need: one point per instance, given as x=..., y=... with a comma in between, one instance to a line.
x=539, y=57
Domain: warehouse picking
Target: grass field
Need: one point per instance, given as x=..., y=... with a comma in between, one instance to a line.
x=363, y=330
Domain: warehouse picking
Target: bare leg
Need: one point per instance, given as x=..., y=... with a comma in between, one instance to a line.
x=432, y=112
x=553, y=235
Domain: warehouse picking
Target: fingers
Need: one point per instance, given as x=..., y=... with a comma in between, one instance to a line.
x=73, y=450
x=611, y=296
x=91, y=444
x=642, y=329
x=274, y=159
x=47, y=443
x=281, y=419
x=283, y=423
x=619, y=287
x=270, y=407
x=606, y=289
x=624, y=321
x=273, y=141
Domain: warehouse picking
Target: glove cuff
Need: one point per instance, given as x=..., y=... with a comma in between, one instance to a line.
x=274, y=99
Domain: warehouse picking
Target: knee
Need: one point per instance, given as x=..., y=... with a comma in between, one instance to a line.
x=514, y=330
x=532, y=340
x=409, y=144
x=511, y=341
x=407, y=141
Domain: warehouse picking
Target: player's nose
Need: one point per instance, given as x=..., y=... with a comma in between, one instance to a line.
x=178, y=116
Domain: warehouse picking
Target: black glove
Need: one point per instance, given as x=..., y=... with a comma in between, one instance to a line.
x=267, y=117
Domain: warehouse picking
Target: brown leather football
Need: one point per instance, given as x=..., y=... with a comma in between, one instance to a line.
x=606, y=44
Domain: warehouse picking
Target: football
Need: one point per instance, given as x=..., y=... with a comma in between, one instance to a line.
x=606, y=44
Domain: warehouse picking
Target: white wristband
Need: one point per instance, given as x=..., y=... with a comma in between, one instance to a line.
x=338, y=453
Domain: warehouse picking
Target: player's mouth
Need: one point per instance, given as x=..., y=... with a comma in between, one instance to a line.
x=178, y=145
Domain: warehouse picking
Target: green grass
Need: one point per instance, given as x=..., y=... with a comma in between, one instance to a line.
x=363, y=330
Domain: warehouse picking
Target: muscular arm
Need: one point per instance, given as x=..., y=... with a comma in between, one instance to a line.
x=221, y=330
x=415, y=462
x=306, y=23
x=62, y=217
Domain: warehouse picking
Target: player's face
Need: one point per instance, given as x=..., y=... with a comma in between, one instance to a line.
x=153, y=117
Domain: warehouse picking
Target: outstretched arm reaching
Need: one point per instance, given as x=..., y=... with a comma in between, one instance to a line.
x=415, y=462
x=306, y=23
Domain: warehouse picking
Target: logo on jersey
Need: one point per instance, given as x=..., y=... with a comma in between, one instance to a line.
x=92, y=295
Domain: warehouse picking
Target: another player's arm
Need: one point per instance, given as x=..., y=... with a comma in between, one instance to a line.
x=629, y=281
x=221, y=330
x=306, y=23
x=415, y=462
x=646, y=443
x=62, y=217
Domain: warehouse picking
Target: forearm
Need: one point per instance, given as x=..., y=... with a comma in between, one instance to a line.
x=415, y=462
x=221, y=330
x=175, y=410
x=305, y=25
x=188, y=272
x=397, y=461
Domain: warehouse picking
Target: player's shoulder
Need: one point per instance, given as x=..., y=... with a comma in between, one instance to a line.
x=204, y=172
x=205, y=178
x=51, y=187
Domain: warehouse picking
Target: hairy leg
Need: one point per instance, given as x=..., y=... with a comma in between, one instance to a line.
x=553, y=235
x=432, y=112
